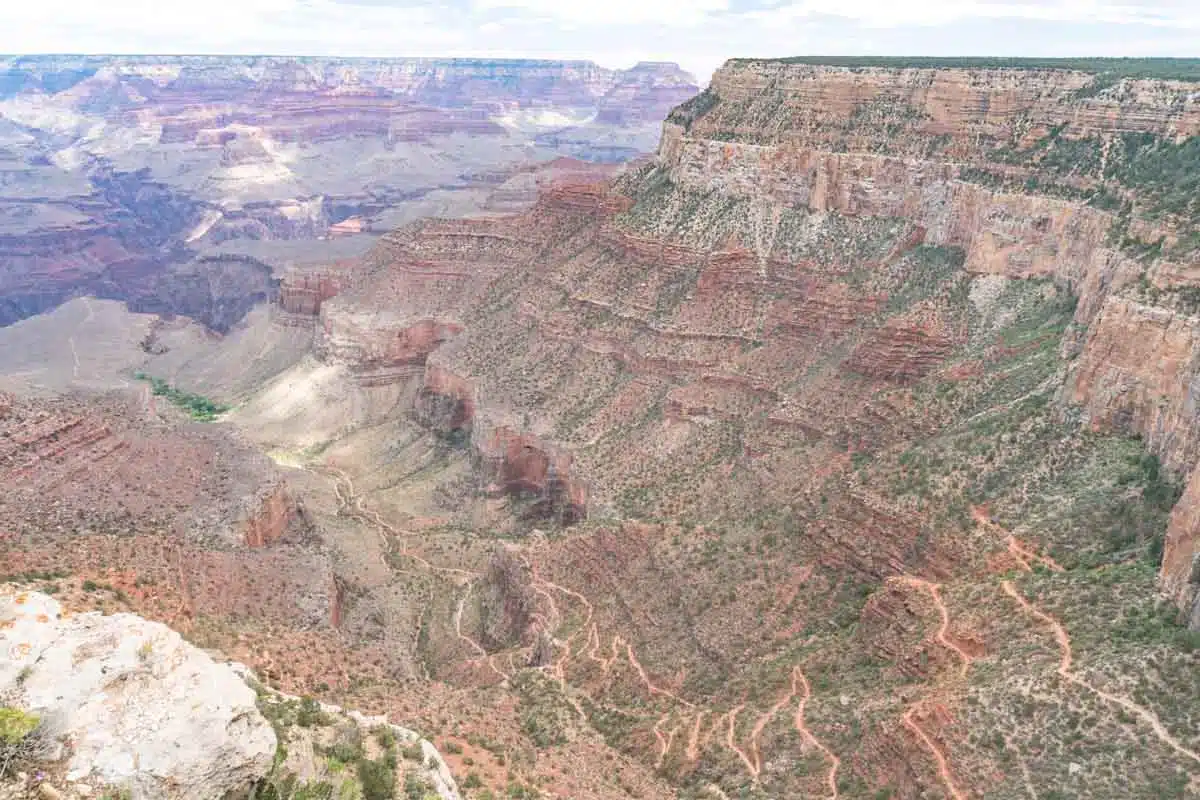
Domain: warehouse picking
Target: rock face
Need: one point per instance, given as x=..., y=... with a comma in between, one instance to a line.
x=135, y=706
x=828, y=173
x=148, y=178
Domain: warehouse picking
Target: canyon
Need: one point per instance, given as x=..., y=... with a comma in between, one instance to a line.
x=844, y=447
x=180, y=185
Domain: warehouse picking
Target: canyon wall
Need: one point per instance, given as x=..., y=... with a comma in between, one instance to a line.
x=785, y=202
x=167, y=181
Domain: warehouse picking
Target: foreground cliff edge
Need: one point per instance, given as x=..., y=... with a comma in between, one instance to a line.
x=122, y=708
x=843, y=450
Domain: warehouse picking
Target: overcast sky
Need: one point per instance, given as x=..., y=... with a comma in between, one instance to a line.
x=699, y=34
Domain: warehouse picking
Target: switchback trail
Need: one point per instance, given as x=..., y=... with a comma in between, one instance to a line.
x=801, y=687
x=939, y=757
x=943, y=633
x=351, y=502
x=731, y=742
x=476, y=646
x=664, y=741
x=943, y=638
x=1064, y=670
x=1024, y=555
x=620, y=649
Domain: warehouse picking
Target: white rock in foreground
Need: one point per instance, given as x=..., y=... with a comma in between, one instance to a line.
x=136, y=706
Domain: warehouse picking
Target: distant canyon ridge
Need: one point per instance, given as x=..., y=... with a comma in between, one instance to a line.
x=176, y=183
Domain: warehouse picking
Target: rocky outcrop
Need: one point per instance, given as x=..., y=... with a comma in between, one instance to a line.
x=506, y=601
x=975, y=159
x=275, y=514
x=1137, y=371
x=129, y=704
x=302, y=293
x=523, y=466
x=1181, y=553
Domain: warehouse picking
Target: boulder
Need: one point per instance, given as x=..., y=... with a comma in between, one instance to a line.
x=132, y=704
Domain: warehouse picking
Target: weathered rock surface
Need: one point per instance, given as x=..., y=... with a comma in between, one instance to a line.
x=134, y=705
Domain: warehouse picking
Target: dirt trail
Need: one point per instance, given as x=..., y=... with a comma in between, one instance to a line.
x=693, y=746
x=664, y=741
x=650, y=686
x=1064, y=669
x=351, y=502
x=476, y=646
x=800, y=682
x=943, y=633
x=1024, y=555
x=544, y=588
x=763, y=720
x=74, y=355
x=731, y=742
x=618, y=647
x=943, y=638
x=939, y=757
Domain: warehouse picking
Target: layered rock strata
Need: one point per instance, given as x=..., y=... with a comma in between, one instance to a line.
x=830, y=173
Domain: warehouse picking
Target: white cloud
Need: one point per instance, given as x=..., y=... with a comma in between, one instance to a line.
x=700, y=34
x=894, y=13
x=612, y=12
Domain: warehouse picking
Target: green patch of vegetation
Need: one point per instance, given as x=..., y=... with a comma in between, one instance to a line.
x=928, y=268
x=544, y=712
x=1181, y=69
x=377, y=778
x=16, y=725
x=289, y=787
x=20, y=739
x=413, y=752
x=32, y=576
x=201, y=408
x=1165, y=173
x=385, y=736
x=520, y=791
x=309, y=713
x=694, y=108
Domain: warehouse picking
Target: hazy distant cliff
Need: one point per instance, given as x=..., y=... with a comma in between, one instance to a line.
x=120, y=175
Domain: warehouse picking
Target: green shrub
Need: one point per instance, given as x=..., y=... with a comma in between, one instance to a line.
x=378, y=781
x=201, y=408
x=414, y=787
x=20, y=739
x=310, y=713
x=16, y=725
x=385, y=736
